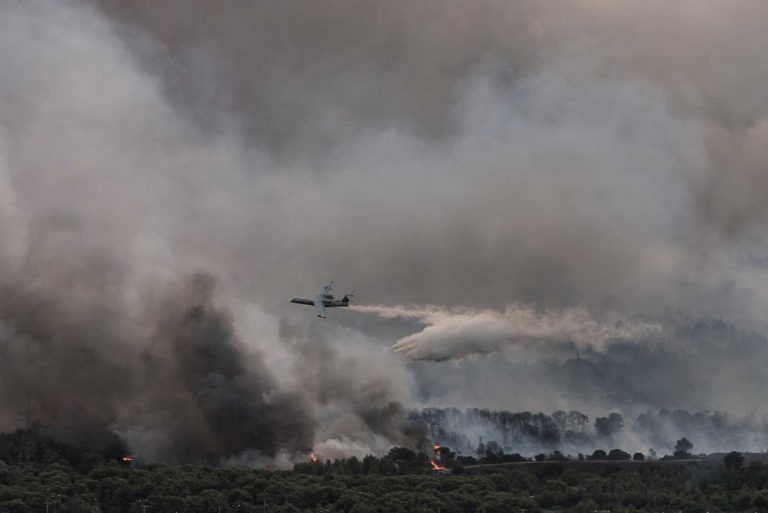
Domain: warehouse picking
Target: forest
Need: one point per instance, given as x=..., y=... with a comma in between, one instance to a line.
x=39, y=473
x=573, y=431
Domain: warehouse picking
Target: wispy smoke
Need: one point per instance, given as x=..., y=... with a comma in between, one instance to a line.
x=453, y=333
x=572, y=432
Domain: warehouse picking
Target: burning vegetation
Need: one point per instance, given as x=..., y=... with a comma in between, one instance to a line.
x=435, y=462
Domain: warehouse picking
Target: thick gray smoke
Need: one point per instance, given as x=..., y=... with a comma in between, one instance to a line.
x=171, y=172
x=201, y=393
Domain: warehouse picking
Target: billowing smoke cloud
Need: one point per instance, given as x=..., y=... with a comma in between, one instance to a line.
x=172, y=172
x=362, y=392
x=460, y=332
x=202, y=394
x=104, y=325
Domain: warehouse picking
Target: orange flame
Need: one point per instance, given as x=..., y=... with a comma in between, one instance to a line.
x=127, y=459
x=313, y=458
x=437, y=466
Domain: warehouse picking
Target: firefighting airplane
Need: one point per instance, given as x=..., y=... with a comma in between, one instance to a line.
x=324, y=300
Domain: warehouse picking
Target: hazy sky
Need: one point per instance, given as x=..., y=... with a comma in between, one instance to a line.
x=501, y=183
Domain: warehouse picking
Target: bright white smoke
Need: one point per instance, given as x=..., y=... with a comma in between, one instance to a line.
x=457, y=332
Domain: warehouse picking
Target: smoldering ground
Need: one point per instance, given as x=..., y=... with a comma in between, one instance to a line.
x=588, y=157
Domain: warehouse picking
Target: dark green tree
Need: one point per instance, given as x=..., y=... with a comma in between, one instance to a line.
x=618, y=454
x=610, y=425
x=733, y=460
x=683, y=445
x=599, y=454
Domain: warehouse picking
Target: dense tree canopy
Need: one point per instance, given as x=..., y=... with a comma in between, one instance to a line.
x=69, y=479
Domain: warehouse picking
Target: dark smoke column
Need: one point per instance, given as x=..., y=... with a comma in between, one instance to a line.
x=214, y=403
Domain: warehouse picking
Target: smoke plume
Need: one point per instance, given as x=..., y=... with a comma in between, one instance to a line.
x=553, y=177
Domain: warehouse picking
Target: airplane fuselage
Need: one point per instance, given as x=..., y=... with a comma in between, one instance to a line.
x=323, y=300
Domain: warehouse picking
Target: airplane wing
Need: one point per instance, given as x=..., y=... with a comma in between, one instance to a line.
x=320, y=308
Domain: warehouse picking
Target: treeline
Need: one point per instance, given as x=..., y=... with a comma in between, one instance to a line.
x=710, y=431
x=398, y=461
x=39, y=473
x=113, y=488
x=39, y=447
x=401, y=460
x=526, y=432
x=573, y=431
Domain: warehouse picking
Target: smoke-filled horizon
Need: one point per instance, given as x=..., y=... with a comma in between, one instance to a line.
x=578, y=192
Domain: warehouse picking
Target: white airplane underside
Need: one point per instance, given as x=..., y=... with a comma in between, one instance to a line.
x=323, y=300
